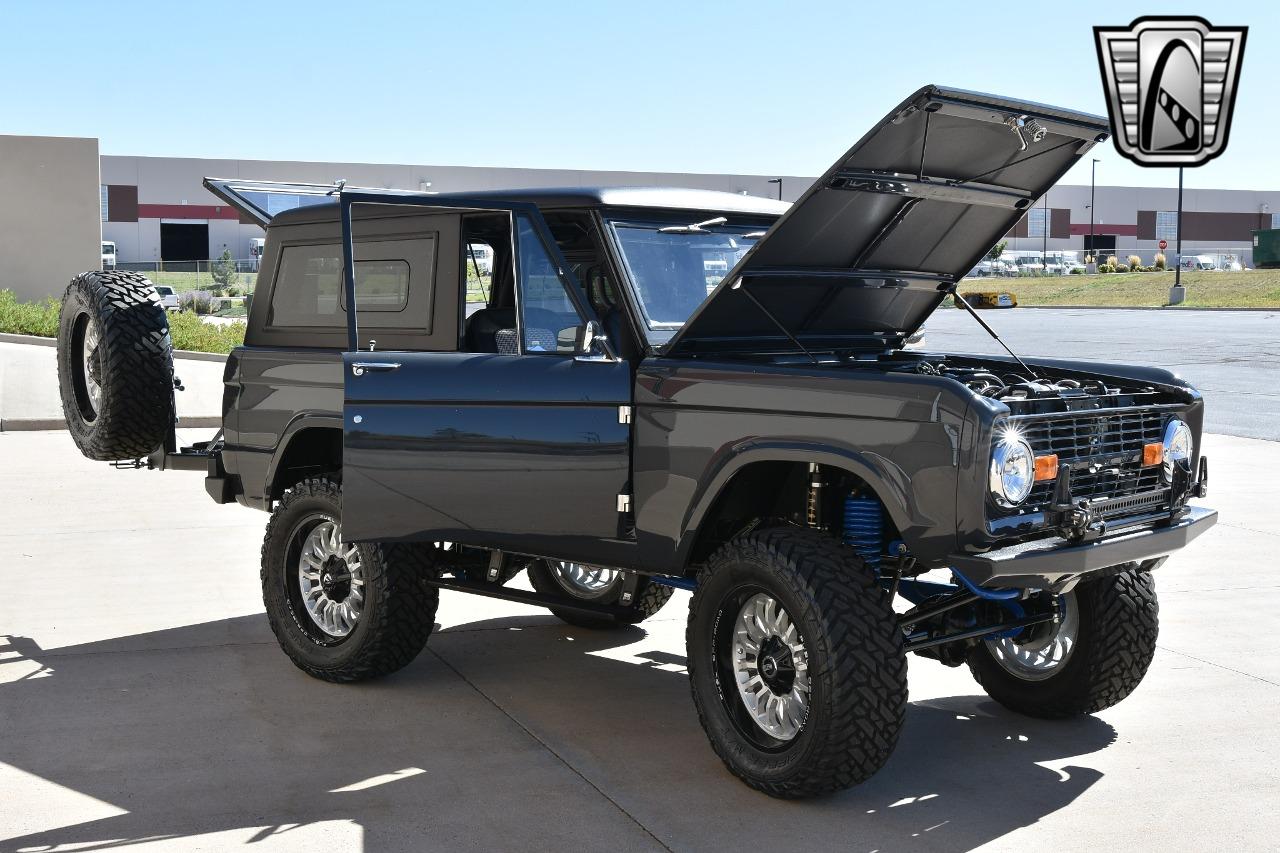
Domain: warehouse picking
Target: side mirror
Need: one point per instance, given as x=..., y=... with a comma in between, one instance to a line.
x=585, y=340
x=586, y=344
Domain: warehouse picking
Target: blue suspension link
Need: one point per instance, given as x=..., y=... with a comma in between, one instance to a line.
x=864, y=529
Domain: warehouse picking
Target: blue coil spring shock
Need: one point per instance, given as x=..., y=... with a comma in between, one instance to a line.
x=864, y=529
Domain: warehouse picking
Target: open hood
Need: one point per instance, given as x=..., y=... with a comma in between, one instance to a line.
x=868, y=252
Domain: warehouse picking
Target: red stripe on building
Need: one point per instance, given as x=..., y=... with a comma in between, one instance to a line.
x=186, y=211
x=1080, y=229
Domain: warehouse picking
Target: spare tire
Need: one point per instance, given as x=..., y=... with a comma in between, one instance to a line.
x=115, y=365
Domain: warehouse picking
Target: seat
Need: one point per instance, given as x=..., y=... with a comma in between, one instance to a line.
x=484, y=325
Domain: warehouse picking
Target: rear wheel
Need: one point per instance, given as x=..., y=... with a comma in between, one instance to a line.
x=342, y=611
x=598, y=585
x=796, y=663
x=1093, y=657
x=115, y=365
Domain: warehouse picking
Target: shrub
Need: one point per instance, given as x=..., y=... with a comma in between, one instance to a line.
x=198, y=301
x=189, y=332
x=1121, y=267
x=28, y=318
x=1159, y=262
x=1135, y=262
x=1076, y=271
x=1112, y=260
x=1105, y=268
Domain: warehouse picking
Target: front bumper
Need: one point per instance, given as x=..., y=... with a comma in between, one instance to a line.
x=1046, y=561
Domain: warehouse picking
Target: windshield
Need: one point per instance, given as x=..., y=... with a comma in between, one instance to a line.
x=108, y=248
x=674, y=272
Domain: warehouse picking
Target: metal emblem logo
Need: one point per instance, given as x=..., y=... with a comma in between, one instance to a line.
x=1171, y=85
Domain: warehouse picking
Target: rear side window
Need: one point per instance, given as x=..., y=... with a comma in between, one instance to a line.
x=308, y=291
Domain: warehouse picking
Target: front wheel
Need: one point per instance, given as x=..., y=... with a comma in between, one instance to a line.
x=341, y=611
x=796, y=663
x=1095, y=655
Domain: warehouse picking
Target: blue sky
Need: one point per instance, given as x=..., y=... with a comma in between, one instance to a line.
x=756, y=87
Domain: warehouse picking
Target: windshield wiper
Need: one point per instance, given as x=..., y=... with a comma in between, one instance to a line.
x=695, y=228
x=955, y=294
x=752, y=235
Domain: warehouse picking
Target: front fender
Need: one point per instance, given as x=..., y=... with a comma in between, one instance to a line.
x=925, y=532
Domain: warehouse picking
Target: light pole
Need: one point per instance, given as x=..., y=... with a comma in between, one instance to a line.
x=1177, y=293
x=1044, y=249
x=777, y=181
x=1090, y=251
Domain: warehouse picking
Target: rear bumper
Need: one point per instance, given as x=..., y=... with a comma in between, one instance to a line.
x=1046, y=561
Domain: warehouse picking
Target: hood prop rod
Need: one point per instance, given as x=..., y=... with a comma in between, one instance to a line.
x=741, y=288
x=990, y=331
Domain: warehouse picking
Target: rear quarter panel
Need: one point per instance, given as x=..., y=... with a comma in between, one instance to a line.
x=270, y=393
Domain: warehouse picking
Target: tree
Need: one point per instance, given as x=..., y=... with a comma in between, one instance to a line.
x=223, y=271
x=997, y=250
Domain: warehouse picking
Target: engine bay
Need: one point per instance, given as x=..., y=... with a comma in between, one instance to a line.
x=1039, y=390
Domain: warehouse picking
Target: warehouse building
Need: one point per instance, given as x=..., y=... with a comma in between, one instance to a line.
x=155, y=211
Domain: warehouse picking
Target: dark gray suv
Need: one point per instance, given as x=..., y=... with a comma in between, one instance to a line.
x=648, y=389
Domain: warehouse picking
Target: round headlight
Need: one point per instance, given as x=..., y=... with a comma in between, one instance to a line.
x=1013, y=471
x=1178, y=447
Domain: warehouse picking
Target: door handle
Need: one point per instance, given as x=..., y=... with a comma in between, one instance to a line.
x=359, y=367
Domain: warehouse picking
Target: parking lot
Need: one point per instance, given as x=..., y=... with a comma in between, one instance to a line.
x=143, y=700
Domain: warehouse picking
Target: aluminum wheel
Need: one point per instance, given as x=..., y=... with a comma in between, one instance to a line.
x=1044, y=654
x=331, y=580
x=771, y=667
x=91, y=363
x=584, y=581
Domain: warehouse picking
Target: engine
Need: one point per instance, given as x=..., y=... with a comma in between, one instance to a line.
x=1045, y=392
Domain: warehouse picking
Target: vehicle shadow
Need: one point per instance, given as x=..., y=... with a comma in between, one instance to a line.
x=208, y=728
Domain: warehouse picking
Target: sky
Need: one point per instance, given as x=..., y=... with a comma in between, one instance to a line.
x=739, y=87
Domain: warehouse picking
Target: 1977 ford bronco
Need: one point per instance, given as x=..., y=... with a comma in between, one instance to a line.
x=683, y=389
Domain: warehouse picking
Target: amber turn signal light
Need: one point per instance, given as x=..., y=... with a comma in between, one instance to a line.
x=1046, y=467
x=1152, y=454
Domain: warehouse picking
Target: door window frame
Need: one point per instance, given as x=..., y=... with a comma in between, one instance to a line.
x=347, y=199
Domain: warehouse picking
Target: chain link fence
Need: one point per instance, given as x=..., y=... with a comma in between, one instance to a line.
x=234, y=277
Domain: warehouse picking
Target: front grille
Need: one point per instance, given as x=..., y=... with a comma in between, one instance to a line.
x=1104, y=452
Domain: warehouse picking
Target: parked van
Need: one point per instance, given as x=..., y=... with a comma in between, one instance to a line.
x=1198, y=262
x=108, y=255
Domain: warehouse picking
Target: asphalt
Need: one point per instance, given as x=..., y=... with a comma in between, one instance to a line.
x=143, y=701
x=1232, y=357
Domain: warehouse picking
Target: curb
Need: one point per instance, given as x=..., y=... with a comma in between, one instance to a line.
x=45, y=424
x=35, y=340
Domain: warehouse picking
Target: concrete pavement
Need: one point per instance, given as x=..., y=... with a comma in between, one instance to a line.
x=143, y=701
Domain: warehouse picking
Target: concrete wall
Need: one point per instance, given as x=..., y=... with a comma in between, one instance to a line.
x=51, y=221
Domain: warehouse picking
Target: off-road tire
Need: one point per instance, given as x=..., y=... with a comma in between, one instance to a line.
x=1119, y=623
x=857, y=667
x=648, y=600
x=134, y=363
x=399, y=610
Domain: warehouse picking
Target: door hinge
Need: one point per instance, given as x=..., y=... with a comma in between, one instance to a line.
x=624, y=414
x=624, y=503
